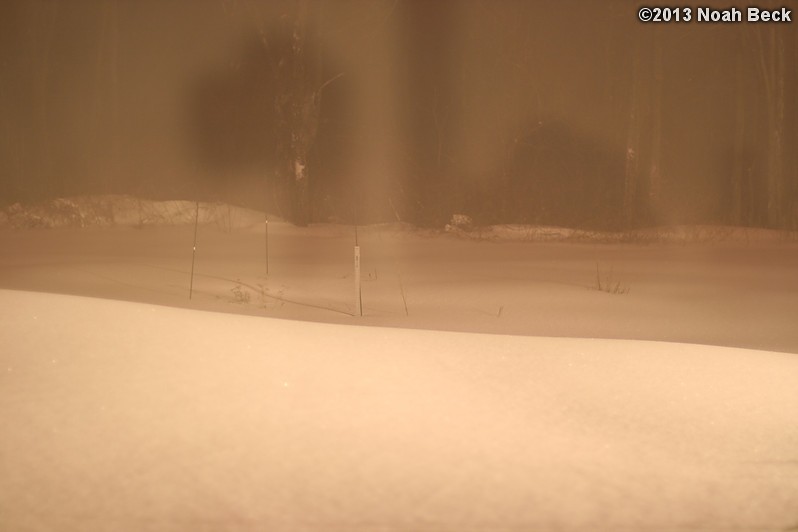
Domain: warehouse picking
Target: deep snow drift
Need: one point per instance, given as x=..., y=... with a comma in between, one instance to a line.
x=139, y=415
x=127, y=416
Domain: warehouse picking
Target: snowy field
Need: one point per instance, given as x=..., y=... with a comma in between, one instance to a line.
x=495, y=386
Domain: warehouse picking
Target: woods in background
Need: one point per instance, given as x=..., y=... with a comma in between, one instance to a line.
x=561, y=113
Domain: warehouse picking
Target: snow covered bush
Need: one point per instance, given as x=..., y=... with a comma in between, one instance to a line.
x=460, y=222
x=60, y=212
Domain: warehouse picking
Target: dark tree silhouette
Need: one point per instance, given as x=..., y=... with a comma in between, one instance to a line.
x=265, y=111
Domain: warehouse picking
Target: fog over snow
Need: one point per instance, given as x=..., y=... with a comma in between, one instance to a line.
x=507, y=378
x=527, y=266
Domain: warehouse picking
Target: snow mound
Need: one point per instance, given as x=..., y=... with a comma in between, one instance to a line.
x=681, y=234
x=61, y=212
x=110, y=210
x=124, y=416
x=121, y=210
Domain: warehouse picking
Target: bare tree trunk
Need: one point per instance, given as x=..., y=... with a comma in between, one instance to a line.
x=297, y=74
x=738, y=168
x=632, y=147
x=114, y=74
x=105, y=100
x=300, y=108
x=772, y=65
x=303, y=102
x=776, y=184
x=46, y=26
x=655, y=167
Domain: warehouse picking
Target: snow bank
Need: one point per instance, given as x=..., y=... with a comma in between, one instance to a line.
x=90, y=211
x=93, y=211
x=124, y=416
x=683, y=234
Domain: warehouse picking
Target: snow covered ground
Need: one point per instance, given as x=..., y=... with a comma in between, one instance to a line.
x=716, y=286
x=591, y=410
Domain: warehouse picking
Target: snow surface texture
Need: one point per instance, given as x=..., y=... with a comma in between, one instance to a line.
x=127, y=415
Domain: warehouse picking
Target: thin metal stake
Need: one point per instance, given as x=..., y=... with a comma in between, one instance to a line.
x=358, y=293
x=267, y=244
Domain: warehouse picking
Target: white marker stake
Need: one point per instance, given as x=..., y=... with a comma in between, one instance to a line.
x=267, y=245
x=358, y=299
x=193, y=253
